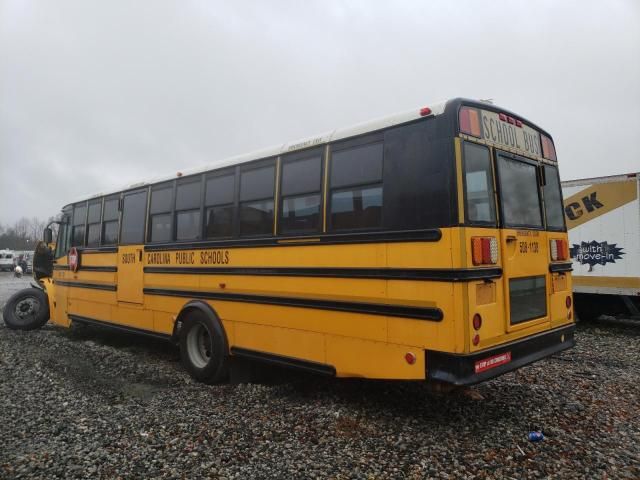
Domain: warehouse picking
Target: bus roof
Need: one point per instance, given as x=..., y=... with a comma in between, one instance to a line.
x=309, y=142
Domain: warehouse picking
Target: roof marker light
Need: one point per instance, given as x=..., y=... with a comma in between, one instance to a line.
x=502, y=117
x=424, y=111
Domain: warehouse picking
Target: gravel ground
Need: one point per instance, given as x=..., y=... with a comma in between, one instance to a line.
x=86, y=403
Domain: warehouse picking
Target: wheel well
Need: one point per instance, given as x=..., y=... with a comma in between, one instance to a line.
x=190, y=307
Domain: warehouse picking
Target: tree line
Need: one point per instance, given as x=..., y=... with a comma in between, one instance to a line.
x=23, y=234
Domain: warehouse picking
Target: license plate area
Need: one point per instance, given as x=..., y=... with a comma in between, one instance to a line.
x=492, y=362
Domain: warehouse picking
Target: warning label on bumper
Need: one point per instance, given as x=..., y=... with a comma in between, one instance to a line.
x=492, y=362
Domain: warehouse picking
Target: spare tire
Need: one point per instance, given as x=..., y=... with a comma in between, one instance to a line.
x=27, y=309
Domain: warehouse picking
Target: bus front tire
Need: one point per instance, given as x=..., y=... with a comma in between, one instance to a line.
x=27, y=309
x=203, y=348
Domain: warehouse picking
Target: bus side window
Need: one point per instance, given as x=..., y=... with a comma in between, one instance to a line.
x=133, y=217
x=93, y=223
x=256, y=200
x=110, y=221
x=188, y=199
x=64, y=237
x=356, y=187
x=78, y=229
x=220, y=209
x=300, y=193
x=160, y=214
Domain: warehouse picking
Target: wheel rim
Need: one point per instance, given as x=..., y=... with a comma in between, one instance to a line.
x=199, y=345
x=27, y=309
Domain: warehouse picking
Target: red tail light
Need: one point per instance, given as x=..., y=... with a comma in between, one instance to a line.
x=477, y=321
x=469, y=119
x=484, y=250
x=558, y=249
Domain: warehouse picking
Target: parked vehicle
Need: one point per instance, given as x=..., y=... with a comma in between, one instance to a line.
x=6, y=260
x=24, y=259
x=603, y=219
x=293, y=256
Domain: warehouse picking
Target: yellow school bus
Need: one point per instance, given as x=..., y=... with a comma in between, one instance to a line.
x=429, y=245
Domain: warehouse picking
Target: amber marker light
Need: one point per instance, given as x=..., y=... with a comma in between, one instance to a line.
x=469, y=119
x=548, y=149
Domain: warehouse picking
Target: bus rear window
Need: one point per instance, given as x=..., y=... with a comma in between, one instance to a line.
x=553, y=199
x=519, y=193
x=479, y=197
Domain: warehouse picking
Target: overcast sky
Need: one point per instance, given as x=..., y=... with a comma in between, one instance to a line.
x=98, y=94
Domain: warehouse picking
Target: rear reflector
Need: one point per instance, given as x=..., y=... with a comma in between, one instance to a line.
x=484, y=250
x=477, y=321
x=548, y=149
x=410, y=358
x=470, y=121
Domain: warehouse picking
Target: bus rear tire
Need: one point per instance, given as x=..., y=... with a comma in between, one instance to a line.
x=27, y=309
x=203, y=348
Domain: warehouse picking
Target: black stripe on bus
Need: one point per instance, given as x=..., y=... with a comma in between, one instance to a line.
x=428, y=235
x=120, y=328
x=283, y=361
x=89, y=268
x=95, y=286
x=109, y=249
x=432, y=274
x=561, y=267
x=420, y=313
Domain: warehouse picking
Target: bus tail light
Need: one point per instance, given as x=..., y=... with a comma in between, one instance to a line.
x=477, y=321
x=559, y=250
x=469, y=119
x=548, y=149
x=484, y=250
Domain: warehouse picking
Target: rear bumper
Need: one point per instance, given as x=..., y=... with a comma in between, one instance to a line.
x=461, y=369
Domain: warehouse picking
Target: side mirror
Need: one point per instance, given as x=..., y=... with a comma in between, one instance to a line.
x=47, y=235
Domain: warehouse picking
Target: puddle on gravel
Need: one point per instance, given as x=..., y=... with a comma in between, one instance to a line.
x=86, y=377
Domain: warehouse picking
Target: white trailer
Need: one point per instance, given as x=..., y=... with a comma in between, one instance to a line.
x=603, y=219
